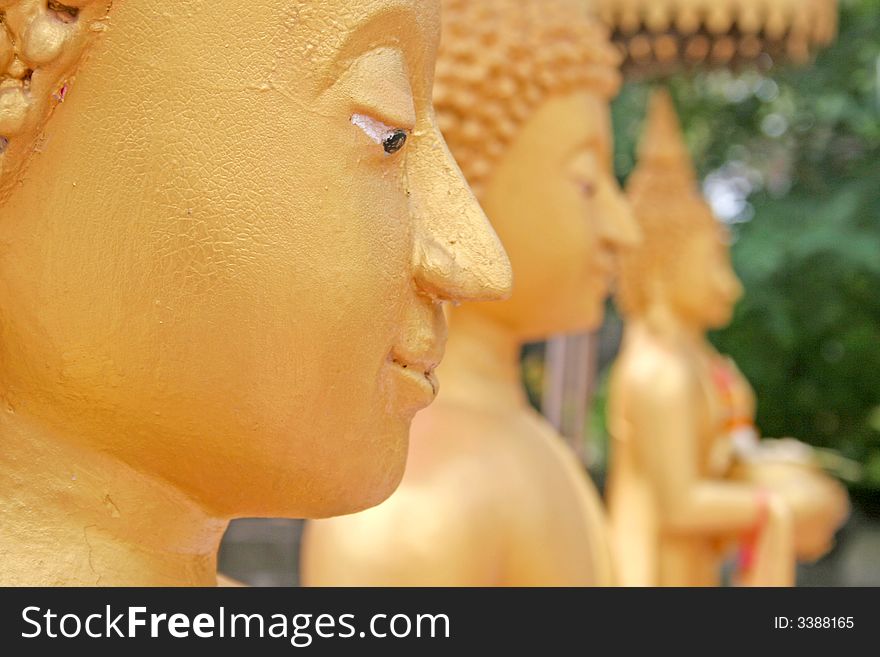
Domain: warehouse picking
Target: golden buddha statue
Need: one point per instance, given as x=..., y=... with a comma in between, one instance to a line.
x=689, y=478
x=223, y=262
x=491, y=494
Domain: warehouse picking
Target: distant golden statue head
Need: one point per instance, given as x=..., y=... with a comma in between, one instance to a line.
x=522, y=94
x=225, y=260
x=683, y=260
x=500, y=60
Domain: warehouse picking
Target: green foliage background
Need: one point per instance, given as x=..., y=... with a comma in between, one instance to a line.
x=807, y=244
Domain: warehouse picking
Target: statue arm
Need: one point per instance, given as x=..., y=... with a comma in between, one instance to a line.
x=666, y=427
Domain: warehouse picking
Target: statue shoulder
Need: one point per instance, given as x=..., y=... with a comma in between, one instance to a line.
x=446, y=532
x=648, y=368
x=454, y=436
x=488, y=463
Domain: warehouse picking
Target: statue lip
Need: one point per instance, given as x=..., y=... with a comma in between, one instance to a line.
x=415, y=354
x=417, y=368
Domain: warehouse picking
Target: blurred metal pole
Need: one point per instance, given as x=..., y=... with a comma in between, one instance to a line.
x=569, y=382
x=554, y=380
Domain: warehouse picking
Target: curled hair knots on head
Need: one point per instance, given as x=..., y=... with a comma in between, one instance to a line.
x=667, y=205
x=500, y=59
x=41, y=44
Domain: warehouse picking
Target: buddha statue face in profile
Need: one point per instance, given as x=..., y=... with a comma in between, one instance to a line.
x=522, y=95
x=684, y=269
x=222, y=267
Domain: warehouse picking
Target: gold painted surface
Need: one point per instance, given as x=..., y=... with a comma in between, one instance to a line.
x=221, y=296
x=689, y=479
x=491, y=495
x=663, y=33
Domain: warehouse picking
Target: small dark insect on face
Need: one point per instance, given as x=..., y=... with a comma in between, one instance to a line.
x=394, y=142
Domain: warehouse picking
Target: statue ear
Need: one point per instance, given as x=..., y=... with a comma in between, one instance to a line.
x=41, y=46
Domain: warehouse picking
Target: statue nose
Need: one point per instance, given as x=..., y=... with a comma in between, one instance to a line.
x=457, y=255
x=619, y=224
x=472, y=268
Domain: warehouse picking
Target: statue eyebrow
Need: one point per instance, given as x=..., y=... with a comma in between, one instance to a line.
x=596, y=143
x=589, y=145
x=380, y=30
x=377, y=93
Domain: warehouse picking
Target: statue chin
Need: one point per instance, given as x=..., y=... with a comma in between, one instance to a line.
x=367, y=482
x=353, y=471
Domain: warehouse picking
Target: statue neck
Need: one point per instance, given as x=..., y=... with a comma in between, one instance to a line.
x=481, y=365
x=75, y=516
x=662, y=322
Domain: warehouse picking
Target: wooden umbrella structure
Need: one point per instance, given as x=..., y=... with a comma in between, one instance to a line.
x=662, y=36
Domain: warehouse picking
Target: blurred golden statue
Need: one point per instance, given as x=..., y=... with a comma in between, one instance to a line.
x=491, y=494
x=689, y=478
x=222, y=267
